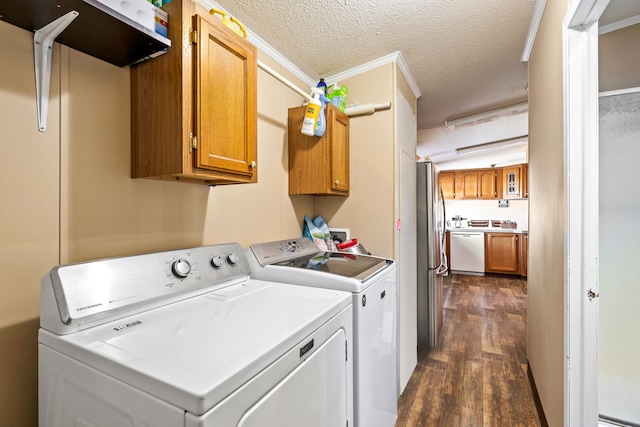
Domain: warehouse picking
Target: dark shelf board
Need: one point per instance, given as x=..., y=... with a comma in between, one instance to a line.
x=98, y=31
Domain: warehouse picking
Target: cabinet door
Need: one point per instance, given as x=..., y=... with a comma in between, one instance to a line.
x=448, y=184
x=319, y=165
x=525, y=181
x=487, y=184
x=338, y=127
x=512, y=182
x=225, y=101
x=468, y=185
x=524, y=253
x=501, y=253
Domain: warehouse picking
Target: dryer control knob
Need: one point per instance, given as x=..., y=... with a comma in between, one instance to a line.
x=217, y=262
x=181, y=268
x=233, y=258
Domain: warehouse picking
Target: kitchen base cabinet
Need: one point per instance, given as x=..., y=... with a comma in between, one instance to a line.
x=319, y=165
x=524, y=253
x=502, y=253
x=194, y=109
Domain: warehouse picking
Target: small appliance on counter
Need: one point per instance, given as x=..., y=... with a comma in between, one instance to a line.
x=457, y=221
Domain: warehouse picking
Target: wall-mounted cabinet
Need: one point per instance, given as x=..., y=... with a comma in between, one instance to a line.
x=194, y=109
x=319, y=165
x=488, y=184
x=494, y=183
x=471, y=184
x=512, y=182
x=468, y=188
x=525, y=181
x=447, y=182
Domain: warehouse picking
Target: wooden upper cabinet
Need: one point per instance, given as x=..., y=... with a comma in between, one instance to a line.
x=477, y=184
x=447, y=182
x=525, y=181
x=319, y=165
x=502, y=253
x=468, y=185
x=194, y=109
x=512, y=182
x=488, y=184
x=225, y=100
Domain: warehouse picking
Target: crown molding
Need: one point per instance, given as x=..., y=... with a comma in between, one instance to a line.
x=371, y=65
x=536, y=18
x=265, y=47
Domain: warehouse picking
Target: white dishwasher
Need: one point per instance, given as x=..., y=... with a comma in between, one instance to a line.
x=467, y=252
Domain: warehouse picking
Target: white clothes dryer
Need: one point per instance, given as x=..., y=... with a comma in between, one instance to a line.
x=373, y=285
x=186, y=338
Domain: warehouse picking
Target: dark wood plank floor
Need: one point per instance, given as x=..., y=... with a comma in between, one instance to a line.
x=477, y=374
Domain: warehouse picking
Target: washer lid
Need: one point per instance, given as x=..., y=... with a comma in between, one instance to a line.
x=330, y=270
x=359, y=267
x=195, y=352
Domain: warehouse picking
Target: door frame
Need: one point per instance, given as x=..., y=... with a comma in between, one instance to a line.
x=580, y=86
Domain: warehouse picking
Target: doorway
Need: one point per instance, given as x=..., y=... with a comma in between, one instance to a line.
x=588, y=270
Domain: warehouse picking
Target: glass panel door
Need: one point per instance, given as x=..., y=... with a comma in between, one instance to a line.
x=619, y=254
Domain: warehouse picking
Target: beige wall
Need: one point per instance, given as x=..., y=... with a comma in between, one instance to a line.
x=619, y=59
x=29, y=216
x=66, y=195
x=547, y=211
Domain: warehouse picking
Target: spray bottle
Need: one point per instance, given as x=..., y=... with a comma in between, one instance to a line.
x=311, y=115
x=321, y=125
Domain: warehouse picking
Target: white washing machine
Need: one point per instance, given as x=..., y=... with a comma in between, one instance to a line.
x=373, y=284
x=186, y=338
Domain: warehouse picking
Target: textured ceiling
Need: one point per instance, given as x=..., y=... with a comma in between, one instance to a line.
x=463, y=54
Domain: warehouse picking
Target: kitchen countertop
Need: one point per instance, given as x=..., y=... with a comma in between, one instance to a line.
x=487, y=229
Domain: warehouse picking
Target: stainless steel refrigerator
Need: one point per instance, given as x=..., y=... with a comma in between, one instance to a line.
x=432, y=261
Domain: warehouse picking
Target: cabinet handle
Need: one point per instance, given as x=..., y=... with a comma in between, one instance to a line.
x=336, y=183
x=252, y=165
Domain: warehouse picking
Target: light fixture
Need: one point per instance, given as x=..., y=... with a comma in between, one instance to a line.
x=512, y=110
x=519, y=141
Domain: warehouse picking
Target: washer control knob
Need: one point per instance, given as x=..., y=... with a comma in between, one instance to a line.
x=233, y=258
x=181, y=268
x=216, y=262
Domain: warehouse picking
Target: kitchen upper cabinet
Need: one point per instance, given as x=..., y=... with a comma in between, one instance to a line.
x=319, y=165
x=488, y=184
x=524, y=253
x=468, y=185
x=502, y=253
x=477, y=184
x=447, y=183
x=525, y=181
x=194, y=108
x=512, y=182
